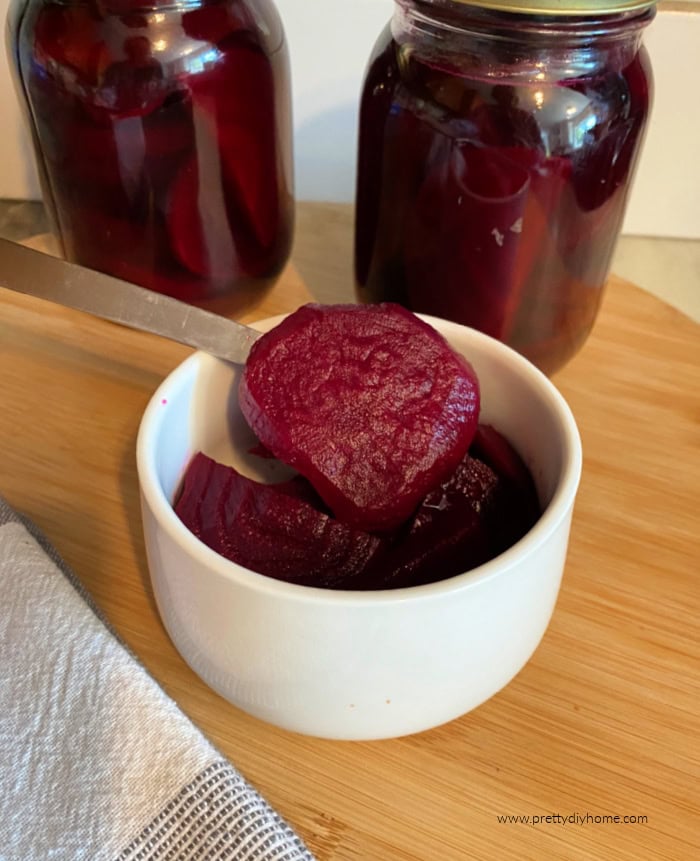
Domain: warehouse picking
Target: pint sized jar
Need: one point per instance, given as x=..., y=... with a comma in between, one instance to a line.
x=498, y=140
x=162, y=131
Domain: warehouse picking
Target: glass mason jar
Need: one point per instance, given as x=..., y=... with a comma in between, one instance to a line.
x=497, y=145
x=162, y=131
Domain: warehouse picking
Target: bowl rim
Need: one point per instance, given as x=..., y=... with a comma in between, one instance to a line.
x=558, y=508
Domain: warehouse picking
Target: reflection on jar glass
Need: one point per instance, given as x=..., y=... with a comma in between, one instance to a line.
x=163, y=136
x=495, y=160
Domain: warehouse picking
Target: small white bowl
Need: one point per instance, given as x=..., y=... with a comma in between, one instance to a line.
x=355, y=665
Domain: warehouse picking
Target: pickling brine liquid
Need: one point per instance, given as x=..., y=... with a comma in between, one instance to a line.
x=163, y=138
x=496, y=199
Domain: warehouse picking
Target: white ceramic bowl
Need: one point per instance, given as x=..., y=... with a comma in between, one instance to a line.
x=355, y=665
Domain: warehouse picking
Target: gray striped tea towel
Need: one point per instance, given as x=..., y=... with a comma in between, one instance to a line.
x=96, y=762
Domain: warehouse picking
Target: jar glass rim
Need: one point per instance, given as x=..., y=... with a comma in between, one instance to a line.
x=562, y=7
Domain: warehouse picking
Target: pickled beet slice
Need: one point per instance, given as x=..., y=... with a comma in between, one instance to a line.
x=232, y=231
x=248, y=135
x=245, y=128
x=201, y=235
x=480, y=511
x=494, y=449
x=519, y=504
x=472, y=203
x=451, y=532
x=214, y=22
x=271, y=529
x=368, y=402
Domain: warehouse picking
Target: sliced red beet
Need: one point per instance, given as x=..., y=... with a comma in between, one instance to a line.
x=451, y=532
x=224, y=208
x=519, y=505
x=201, y=235
x=248, y=131
x=494, y=449
x=272, y=529
x=232, y=230
x=475, y=515
x=472, y=203
x=368, y=402
x=214, y=22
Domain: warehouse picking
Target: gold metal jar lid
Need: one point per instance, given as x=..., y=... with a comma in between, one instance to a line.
x=563, y=7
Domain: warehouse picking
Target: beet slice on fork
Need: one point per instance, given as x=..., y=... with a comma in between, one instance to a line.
x=368, y=402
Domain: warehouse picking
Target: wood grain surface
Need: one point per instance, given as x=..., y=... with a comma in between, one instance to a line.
x=603, y=721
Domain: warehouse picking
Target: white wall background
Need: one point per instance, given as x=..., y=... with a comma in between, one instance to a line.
x=330, y=41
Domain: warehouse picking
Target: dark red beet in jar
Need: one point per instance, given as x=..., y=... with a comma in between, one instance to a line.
x=495, y=159
x=163, y=136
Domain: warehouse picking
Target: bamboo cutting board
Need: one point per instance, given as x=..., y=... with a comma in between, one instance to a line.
x=602, y=722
